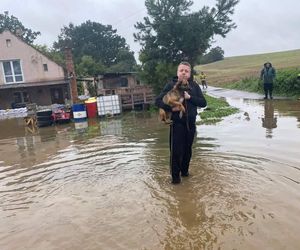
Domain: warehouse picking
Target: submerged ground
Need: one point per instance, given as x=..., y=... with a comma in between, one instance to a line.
x=104, y=184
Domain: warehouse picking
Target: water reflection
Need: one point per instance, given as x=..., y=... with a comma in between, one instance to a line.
x=96, y=181
x=47, y=134
x=26, y=146
x=111, y=127
x=269, y=121
x=81, y=127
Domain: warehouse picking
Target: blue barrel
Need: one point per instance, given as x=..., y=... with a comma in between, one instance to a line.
x=79, y=112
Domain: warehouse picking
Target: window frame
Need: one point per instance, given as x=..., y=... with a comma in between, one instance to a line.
x=23, y=95
x=45, y=67
x=13, y=75
x=8, y=43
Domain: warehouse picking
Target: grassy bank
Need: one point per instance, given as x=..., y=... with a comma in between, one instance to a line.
x=216, y=109
x=234, y=69
x=286, y=83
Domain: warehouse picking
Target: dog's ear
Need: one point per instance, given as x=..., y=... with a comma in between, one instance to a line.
x=176, y=86
x=185, y=82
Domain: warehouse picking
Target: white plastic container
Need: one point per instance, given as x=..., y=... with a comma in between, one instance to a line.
x=108, y=105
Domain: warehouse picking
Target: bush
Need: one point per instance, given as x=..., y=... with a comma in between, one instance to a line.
x=286, y=83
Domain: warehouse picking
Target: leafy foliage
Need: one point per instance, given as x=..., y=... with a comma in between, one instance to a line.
x=100, y=42
x=54, y=55
x=89, y=67
x=215, y=54
x=15, y=26
x=171, y=33
x=286, y=83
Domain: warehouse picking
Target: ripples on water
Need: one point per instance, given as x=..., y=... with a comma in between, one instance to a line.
x=105, y=185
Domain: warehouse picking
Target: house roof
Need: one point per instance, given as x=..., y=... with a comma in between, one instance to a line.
x=20, y=38
x=117, y=74
x=34, y=84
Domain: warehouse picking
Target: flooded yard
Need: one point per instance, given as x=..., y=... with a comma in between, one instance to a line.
x=104, y=184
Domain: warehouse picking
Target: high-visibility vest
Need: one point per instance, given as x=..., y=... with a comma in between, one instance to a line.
x=202, y=76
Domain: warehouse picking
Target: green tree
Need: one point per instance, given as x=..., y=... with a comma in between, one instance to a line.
x=89, y=67
x=215, y=54
x=13, y=24
x=93, y=39
x=125, y=62
x=172, y=33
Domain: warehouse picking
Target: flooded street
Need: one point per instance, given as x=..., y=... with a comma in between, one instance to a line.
x=104, y=184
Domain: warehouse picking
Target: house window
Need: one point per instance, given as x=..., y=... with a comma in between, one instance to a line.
x=21, y=97
x=124, y=82
x=12, y=71
x=45, y=67
x=8, y=43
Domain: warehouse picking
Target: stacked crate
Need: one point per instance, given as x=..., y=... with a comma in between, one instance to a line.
x=109, y=105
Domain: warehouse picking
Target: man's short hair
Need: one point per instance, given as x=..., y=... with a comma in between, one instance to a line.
x=186, y=64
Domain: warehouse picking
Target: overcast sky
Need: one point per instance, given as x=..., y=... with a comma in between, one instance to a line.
x=263, y=25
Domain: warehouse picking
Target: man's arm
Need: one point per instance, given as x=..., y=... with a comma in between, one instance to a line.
x=197, y=97
x=274, y=73
x=261, y=74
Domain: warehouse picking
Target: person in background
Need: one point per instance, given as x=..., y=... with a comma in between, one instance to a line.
x=202, y=77
x=267, y=75
x=183, y=126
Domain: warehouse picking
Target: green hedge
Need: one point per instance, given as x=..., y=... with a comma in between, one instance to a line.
x=286, y=83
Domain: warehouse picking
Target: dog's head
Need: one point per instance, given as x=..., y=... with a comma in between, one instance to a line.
x=182, y=86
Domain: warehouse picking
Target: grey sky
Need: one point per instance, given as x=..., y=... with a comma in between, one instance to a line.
x=263, y=26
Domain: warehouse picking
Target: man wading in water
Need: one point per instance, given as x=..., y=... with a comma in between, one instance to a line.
x=183, y=127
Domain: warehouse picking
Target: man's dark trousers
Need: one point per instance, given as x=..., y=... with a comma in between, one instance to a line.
x=181, y=141
x=268, y=88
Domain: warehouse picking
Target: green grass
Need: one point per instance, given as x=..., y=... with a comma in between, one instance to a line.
x=233, y=69
x=216, y=109
x=286, y=84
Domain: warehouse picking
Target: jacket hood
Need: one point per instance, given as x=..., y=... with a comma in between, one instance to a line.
x=265, y=64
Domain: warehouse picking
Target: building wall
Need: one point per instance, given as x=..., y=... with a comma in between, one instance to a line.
x=131, y=81
x=115, y=82
x=40, y=95
x=31, y=60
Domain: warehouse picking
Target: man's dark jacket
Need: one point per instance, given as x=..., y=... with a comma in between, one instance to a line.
x=197, y=100
x=268, y=74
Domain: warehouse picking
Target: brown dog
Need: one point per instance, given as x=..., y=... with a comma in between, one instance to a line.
x=173, y=98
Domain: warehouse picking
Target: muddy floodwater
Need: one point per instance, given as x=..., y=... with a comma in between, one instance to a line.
x=104, y=184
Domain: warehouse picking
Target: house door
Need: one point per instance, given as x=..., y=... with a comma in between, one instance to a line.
x=57, y=96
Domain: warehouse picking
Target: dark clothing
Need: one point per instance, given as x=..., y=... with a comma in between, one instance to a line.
x=197, y=100
x=182, y=129
x=181, y=141
x=268, y=74
x=268, y=89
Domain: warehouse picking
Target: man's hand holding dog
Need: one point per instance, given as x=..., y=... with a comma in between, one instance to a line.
x=186, y=95
x=176, y=108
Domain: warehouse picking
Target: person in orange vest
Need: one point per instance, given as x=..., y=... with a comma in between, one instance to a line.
x=202, y=77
